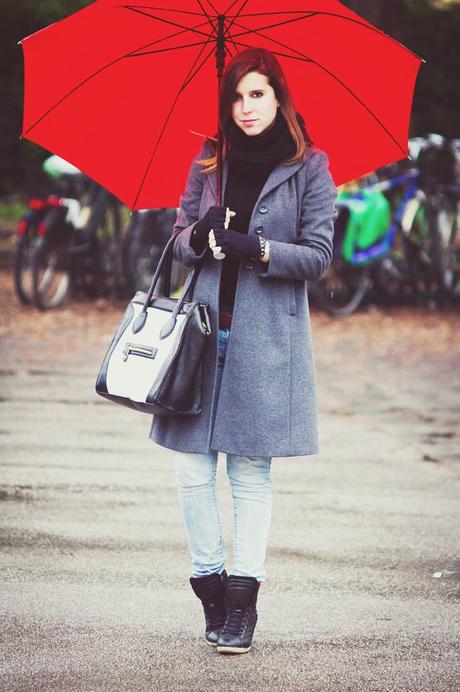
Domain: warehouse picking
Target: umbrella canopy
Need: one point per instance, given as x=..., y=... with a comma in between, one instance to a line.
x=118, y=87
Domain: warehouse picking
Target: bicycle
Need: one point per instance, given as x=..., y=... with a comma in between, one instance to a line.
x=29, y=229
x=79, y=247
x=144, y=242
x=439, y=166
x=397, y=255
x=446, y=201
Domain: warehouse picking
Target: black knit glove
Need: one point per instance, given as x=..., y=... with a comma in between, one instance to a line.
x=214, y=218
x=235, y=243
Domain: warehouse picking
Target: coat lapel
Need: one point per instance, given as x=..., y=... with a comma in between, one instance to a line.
x=278, y=176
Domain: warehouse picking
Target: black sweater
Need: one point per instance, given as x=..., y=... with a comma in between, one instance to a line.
x=241, y=193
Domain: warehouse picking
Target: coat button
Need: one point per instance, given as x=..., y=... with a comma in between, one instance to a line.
x=249, y=265
x=263, y=209
x=259, y=229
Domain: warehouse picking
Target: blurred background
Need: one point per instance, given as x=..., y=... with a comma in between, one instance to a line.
x=364, y=578
x=396, y=239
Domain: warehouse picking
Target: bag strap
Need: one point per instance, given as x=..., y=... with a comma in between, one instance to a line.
x=168, y=273
x=188, y=286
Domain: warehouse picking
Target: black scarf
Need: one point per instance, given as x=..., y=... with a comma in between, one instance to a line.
x=263, y=151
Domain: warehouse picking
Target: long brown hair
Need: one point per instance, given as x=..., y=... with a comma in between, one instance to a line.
x=263, y=61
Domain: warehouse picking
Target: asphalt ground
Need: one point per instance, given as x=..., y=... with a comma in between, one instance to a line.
x=363, y=568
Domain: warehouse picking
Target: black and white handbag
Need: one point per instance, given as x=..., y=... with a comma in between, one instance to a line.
x=155, y=360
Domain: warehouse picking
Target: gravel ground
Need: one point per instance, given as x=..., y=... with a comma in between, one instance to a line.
x=363, y=567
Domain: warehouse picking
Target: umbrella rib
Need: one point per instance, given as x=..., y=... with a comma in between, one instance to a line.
x=214, y=9
x=365, y=25
x=166, y=21
x=307, y=15
x=230, y=7
x=166, y=38
x=237, y=14
x=231, y=39
x=187, y=80
x=162, y=9
x=208, y=16
x=105, y=67
x=203, y=10
x=165, y=50
x=337, y=79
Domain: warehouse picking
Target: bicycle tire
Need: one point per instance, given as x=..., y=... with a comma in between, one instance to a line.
x=23, y=279
x=49, y=263
x=446, y=244
x=107, y=234
x=421, y=252
x=145, y=240
x=343, y=288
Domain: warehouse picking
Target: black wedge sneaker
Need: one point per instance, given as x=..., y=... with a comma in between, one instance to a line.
x=211, y=592
x=238, y=630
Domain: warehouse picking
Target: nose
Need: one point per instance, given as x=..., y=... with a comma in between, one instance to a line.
x=247, y=106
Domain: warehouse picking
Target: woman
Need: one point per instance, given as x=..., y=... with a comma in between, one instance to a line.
x=258, y=402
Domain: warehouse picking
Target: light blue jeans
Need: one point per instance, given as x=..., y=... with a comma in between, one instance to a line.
x=251, y=495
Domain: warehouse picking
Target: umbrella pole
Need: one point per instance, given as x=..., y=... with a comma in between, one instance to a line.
x=220, y=64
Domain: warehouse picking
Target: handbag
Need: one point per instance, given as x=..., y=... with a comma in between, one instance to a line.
x=154, y=362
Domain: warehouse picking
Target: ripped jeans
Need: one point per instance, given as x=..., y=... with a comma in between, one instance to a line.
x=250, y=484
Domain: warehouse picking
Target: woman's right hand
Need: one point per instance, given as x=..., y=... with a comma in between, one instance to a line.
x=217, y=216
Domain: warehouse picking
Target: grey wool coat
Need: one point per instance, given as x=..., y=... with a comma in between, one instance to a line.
x=267, y=401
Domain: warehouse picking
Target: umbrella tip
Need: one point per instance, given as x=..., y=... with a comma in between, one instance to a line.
x=19, y=43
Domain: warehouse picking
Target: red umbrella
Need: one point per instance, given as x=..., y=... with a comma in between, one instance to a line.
x=118, y=87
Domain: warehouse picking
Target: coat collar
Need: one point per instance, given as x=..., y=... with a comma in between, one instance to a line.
x=277, y=176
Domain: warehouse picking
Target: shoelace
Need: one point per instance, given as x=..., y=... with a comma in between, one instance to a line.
x=235, y=621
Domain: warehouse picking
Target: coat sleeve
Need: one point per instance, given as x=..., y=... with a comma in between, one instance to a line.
x=188, y=214
x=310, y=256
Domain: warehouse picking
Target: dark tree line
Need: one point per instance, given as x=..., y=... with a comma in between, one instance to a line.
x=431, y=32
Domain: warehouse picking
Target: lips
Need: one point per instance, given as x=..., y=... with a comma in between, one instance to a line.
x=250, y=121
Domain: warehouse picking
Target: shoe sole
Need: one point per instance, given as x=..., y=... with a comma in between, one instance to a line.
x=232, y=649
x=211, y=643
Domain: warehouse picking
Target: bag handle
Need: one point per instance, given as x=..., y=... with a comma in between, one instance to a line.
x=189, y=284
x=168, y=273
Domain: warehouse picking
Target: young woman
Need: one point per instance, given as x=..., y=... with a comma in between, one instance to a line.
x=258, y=402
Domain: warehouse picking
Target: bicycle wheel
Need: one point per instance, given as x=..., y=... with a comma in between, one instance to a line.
x=392, y=276
x=108, y=260
x=23, y=281
x=51, y=277
x=342, y=289
x=421, y=248
x=446, y=246
x=141, y=253
x=145, y=241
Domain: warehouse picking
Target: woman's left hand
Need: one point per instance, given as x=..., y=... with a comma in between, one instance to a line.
x=235, y=243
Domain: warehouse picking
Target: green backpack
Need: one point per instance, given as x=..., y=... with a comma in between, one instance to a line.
x=368, y=220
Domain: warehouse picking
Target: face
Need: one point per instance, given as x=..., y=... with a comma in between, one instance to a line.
x=255, y=104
